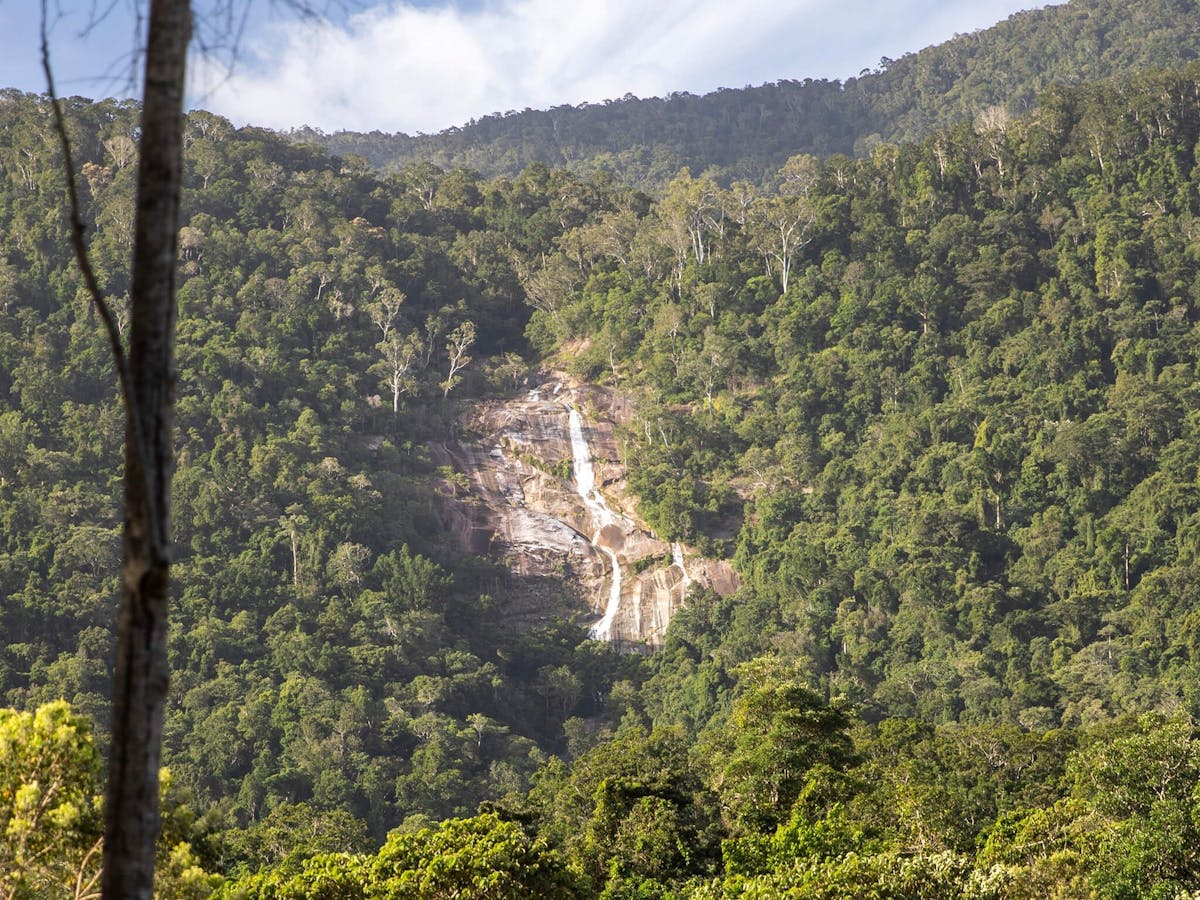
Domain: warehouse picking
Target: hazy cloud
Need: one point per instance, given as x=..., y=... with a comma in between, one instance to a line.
x=413, y=68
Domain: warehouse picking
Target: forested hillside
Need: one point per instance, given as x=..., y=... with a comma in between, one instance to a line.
x=938, y=404
x=948, y=390
x=749, y=132
x=334, y=664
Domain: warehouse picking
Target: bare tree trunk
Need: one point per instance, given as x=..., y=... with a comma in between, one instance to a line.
x=131, y=808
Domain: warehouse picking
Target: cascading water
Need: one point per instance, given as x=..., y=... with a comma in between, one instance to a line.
x=585, y=484
x=677, y=560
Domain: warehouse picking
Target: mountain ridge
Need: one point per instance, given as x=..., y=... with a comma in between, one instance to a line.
x=749, y=132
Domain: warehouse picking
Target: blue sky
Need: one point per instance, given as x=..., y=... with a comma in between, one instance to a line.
x=426, y=66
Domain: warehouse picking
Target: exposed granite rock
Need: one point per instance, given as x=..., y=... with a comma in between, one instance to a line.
x=521, y=506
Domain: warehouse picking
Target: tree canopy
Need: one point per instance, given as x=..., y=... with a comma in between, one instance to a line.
x=936, y=403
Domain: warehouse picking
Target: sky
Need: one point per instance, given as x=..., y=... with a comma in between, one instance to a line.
x=433, y=64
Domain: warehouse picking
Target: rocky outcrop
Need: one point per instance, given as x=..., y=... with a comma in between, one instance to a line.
x=515, y=496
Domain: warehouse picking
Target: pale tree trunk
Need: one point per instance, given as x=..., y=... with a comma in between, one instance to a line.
x=131, y=813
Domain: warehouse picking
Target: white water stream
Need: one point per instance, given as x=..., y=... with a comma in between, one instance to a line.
x=677, y=560
x=585, y=484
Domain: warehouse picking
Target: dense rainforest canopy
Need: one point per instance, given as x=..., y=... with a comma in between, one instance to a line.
x=748, y=133
x=938, y=403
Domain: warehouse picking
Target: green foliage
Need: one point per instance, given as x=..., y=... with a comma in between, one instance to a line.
x=954, y=458
x=331, y=653
x=473, y=859
x=50, y=814
x=751, y=132
x=944, y=426
x=778, y=734
x=294, y=831
x=49, y=802
x=1142, y=791
x=632, y=810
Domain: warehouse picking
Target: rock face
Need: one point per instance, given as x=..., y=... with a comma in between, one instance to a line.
x=544, y=495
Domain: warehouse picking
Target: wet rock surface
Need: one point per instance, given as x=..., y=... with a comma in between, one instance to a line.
x=514, y=497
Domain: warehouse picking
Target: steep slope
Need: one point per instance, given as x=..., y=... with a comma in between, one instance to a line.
x=545, y=493
x=938, y=404
x=960, y=422
x=335, y=659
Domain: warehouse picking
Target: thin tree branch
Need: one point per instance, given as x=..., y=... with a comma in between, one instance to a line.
x=84, y=891
x=78, y=229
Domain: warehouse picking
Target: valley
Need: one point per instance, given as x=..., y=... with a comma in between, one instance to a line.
x=816, y=522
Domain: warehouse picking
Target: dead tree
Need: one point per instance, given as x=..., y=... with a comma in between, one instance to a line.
x=131, y=811
x=146, y=373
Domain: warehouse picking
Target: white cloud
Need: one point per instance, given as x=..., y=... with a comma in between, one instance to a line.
x=410, y=68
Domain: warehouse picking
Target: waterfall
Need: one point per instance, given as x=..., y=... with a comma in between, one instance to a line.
x=677, y=560
x=585, y=484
